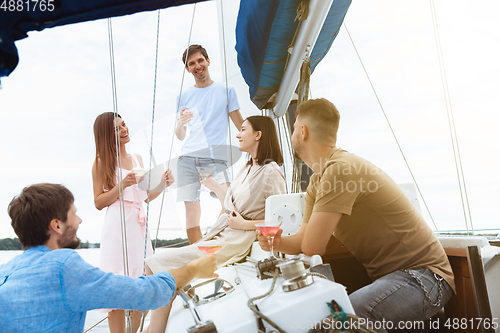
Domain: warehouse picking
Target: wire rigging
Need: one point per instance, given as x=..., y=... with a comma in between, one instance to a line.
x=451, y=121
x=118, y=147
x=119, y=164
x=151, y=144
x=227, y=88
x=281, y=145
x=175, y=124
x=390, y=127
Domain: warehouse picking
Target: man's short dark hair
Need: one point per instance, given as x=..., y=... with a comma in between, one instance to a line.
x=192, y=49
x=32, y=211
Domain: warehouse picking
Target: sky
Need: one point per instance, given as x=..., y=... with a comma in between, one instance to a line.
x=63, y=82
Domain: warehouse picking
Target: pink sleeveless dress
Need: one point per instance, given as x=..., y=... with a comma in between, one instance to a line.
x=135, y=221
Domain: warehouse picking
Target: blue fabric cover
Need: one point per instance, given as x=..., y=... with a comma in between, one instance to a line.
x=329, y=31
x=14, y=25
x=265, y=30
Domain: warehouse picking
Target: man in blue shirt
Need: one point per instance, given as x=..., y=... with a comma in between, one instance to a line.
x=49, y=288
x=204, y=108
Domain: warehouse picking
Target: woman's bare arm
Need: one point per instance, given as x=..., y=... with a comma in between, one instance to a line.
x=103, y=198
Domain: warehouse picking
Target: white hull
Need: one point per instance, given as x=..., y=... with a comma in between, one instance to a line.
x=292, y=311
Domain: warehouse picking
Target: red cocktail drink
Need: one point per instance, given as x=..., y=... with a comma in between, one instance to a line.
x=269, y=229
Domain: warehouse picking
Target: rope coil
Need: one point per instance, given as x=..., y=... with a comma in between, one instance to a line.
x=257, y=312
x=302, y=10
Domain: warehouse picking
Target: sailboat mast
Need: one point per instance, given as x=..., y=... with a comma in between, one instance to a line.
x=304, y=44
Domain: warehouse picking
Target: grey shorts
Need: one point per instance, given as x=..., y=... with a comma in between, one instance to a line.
x=188, y=179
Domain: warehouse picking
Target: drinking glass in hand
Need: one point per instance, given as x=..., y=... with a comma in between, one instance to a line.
x=139, y=175
x=204, y=173
x=209, y=247
x=269, y=229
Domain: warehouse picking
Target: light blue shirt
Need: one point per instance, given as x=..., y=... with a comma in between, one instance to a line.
x=209, y=127
x=51, y=291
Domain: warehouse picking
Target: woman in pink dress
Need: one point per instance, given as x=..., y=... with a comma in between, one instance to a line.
x=106, y=182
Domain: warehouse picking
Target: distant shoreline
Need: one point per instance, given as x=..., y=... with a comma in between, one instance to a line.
x=9, y=244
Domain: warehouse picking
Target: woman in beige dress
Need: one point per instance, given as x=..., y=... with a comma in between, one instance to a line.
x=243, y=203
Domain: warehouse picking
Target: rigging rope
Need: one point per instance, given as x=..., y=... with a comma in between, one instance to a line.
x=144, y=313
x=257, y=312
x=288, y=133
x=118, y=147
x=302, y=13
x=451, y=121
x=303, y=89
x=119, y=164
x=103, y=319
x=151, y=144
x=174, y=245
x=281, y=146
x=390, y=127
x=227, y=89
x=175, y=124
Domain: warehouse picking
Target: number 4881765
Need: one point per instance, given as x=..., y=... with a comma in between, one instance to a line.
x=27, y=5
x=473, y=323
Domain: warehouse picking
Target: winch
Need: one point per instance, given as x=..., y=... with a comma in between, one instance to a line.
x=294, y=275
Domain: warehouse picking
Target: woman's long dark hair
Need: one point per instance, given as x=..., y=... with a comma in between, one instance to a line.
x=269, y=147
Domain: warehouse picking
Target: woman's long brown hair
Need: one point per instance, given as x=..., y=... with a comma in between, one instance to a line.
x=105, y=146
x=269, y=146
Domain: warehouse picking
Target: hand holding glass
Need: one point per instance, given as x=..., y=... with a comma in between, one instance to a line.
x=209, y=247
x=204, y=173
x=269, y=229
x=139, y=174
x=188, y=112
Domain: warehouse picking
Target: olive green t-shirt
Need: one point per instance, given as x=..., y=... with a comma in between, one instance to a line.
x=379, y=224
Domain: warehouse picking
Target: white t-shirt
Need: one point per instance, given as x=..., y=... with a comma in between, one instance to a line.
x=208, y=129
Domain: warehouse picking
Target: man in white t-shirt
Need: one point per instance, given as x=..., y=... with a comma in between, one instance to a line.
x=205, y=109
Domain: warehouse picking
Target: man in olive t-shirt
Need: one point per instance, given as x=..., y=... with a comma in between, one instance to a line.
x=369, y=213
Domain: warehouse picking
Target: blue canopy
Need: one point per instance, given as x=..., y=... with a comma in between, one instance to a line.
x=16, y=21
x=265, y=30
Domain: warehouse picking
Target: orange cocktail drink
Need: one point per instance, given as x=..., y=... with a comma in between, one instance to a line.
x=209, y=249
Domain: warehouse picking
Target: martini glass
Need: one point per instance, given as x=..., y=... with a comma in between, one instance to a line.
x=209, y=247
x=204, y=172
x=269, y=229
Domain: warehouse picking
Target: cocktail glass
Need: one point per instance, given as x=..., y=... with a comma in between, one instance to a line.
x=209, y=247
x=269, y=229
x=204, y=173
x=139, y=175
x=193, y=111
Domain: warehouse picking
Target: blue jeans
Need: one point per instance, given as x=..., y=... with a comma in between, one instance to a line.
x=188, y=179
x=398, y=299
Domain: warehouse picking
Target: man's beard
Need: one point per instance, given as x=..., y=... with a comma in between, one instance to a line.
x=69, y=241
x=297, y=150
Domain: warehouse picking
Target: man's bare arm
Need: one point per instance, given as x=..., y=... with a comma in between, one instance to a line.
x=236, y=118
x=180, y=129
x=203, y=268
x=318, y=232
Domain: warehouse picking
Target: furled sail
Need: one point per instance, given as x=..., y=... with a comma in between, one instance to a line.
x=17, y=18
x=264, y=32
